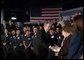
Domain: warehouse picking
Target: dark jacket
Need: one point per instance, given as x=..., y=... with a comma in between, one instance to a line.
x=27, y=39
x=76, y=46
x=5, y=38
x=13, y=40
x=59, y=39
x=64, y=49
x=40, y=44
x=53, y=39
x=18, y=40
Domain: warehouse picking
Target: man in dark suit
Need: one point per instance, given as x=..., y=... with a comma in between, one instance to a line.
x=41, y=42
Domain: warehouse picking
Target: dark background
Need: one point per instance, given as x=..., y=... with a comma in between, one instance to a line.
x=21, y=8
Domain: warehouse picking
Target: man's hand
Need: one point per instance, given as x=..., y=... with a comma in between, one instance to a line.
x=20, y=44
x=55, y=48
x=14, y=46
x=4, y=43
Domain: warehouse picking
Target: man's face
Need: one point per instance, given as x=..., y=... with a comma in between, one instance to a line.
x=51, y=32
x=46, y=28
x=6, y=31
x=24, y=29
x=35, y=30
x=28, y=33
x=13, y=32
x=57, y=30
x=18, y=32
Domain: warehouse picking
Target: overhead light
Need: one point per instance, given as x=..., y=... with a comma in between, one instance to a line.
x=13, y=18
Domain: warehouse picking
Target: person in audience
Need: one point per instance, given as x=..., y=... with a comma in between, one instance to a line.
x=4, y=24
x=27, y=39
x=59, y=36
x=53, y=36
x=2, y=27
x=51, y=54
x=76, y=44
x=4, y=42
x=24, y=29
x=13, y=39
x=11, y=25
x=35, y=30
x=18, y=38
x=67, y=32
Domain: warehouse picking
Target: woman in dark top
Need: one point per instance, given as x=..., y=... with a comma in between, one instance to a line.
x=76, y=43
x=67, y=31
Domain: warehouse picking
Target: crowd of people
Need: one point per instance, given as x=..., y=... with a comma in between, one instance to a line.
x=34, y=42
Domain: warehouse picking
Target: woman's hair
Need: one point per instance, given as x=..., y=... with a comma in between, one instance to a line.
x=68, y=28
x=78, y=20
